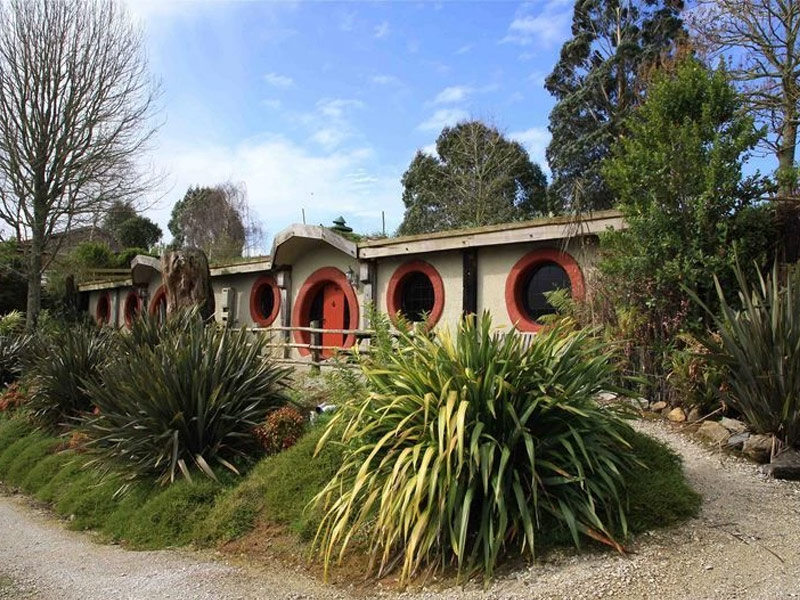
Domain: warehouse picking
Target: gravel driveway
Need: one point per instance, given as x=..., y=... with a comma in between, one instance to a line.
x=745, y=544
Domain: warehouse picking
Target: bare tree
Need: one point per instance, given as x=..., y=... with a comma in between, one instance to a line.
x=76, y=108
x=761, y=39
x=217, y=220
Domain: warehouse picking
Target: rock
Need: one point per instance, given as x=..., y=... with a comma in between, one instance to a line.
x=736, y=441
x=694, y=415
x=665, y=412
x=733, y=425
x=187, y=280
x=786, y=466
x=658, y=406
x=676, y=415
x=713, y=432
x=758, y=447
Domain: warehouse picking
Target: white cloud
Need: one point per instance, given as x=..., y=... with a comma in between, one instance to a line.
x=283, y=177
x=335, y=108
x=443, y=118
x=279, y=81
x=272, y=103
x=381, y=30
x=535, y=141
x=464, y=49
x=429, y=149
x=547, y=27
x=347, y=21
x=386, y=80
x=453, y=94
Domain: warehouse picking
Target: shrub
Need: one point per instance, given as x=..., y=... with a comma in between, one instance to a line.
x=12, y=354
x=760, y=348
x=12, y=398
x=281, y=431
x=464, y=445
x=697, y=381
x=12, y=323
x=67, y=361
x=192, y=401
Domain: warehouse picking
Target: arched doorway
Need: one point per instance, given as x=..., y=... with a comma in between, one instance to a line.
x=328, y=298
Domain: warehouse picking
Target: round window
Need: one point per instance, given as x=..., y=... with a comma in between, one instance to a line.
x=133, y=307
x=539, y=281
x=416, y=296
x=103, y=313
x=265, y=301
x=532, y=277
x=158, y=304
x=415, y=291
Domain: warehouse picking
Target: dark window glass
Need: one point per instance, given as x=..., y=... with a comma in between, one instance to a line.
x=545, y=277
x=104, y=309
x=131, y=307
x=266, y=301
x=416, y=296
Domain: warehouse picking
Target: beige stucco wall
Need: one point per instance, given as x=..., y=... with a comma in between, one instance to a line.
x=117, y=297
x=495, y=263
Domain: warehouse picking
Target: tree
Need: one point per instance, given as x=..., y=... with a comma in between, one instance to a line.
x=690, y=212
x=75, y=108
x=596, y=86
x=478, y=177
x=130, y=229
x=762, y=40
x=215, y=219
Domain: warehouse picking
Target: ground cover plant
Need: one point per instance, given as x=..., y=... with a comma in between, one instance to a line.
x=465, y=444
x=188, y=403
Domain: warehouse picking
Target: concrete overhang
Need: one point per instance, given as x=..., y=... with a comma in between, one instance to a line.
x=144, y=268
x=296, y=240
x=554, y=228
x=93, y=286
x=263, y=263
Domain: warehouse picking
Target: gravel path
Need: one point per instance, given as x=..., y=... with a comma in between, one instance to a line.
x=745, y=544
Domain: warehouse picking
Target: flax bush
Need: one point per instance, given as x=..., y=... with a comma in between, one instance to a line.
x=759, y=346
x=189, y=402
x=467, y=447
x=60, y=366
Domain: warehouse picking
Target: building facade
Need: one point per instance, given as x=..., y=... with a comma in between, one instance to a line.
x=315, y=276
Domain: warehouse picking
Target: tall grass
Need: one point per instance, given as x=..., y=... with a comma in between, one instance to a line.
x=465, y=447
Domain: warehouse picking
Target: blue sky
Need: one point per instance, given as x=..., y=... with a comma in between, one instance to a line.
x=322, y=105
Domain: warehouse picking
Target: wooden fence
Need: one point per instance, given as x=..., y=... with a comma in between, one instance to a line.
x=282, y=344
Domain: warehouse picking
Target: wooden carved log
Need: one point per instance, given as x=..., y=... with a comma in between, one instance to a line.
x=187, y=279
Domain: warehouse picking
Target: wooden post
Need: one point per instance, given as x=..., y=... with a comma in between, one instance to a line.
x=316, y=342
x=469, y=278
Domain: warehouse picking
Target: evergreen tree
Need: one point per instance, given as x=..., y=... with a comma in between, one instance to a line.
x=690, y=211
x=130, y=229
x=478, y=177
x=596, y=83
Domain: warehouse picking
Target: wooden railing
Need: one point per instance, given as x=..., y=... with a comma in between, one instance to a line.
x=282, y=342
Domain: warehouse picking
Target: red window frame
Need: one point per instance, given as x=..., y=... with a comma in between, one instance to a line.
x=515, y=283
x=394, y=291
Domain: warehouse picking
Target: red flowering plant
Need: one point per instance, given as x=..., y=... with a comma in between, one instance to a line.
x=281, y=430
x=12, y=398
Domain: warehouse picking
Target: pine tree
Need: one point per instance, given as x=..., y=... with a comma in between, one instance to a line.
x=597, y=83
